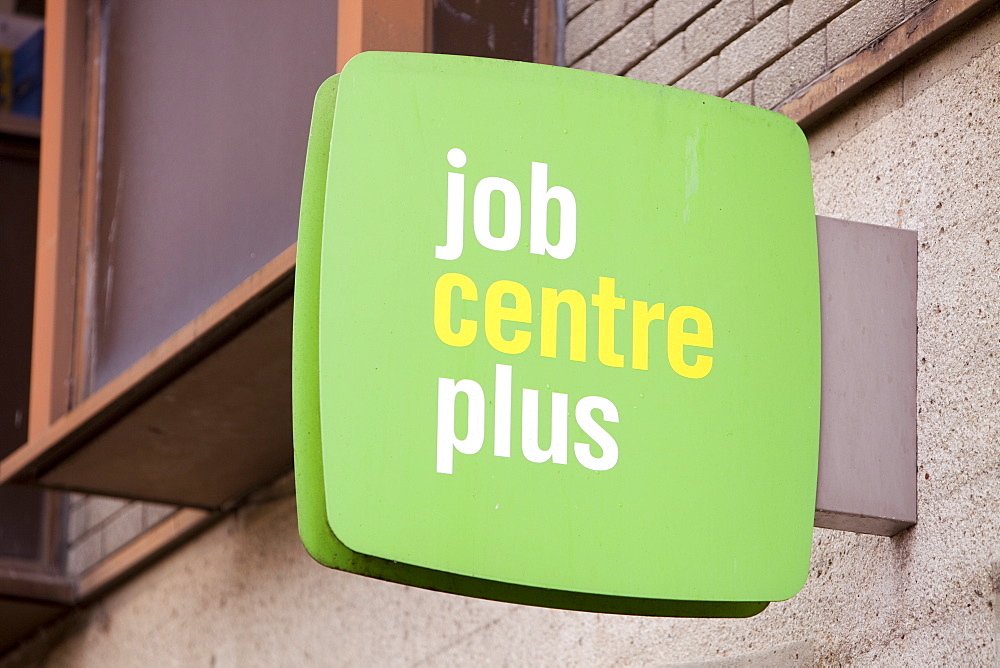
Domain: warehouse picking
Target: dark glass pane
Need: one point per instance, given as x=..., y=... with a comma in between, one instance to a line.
x=22, y=514
x=503, y=29
x=18, y=213
x=21, y=509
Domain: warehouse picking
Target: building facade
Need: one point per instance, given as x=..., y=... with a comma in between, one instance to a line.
x=182, y=271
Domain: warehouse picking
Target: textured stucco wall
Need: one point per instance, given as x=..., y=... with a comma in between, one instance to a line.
x=920, y=151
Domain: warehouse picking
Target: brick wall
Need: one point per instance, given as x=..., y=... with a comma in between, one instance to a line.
x=100, y=525
x=760, y=52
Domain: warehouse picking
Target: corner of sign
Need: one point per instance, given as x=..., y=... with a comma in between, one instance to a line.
x=777, y=118
x=318, y=547
x=794, y=585
x=328, y=86
x=750, y=609
x=362, y=59
x=315, y=536
x=345, y=535
x=795, y=129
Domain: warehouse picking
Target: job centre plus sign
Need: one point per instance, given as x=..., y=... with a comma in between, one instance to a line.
x=536, y=329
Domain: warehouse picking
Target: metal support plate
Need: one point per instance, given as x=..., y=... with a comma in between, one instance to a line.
x=868, y=424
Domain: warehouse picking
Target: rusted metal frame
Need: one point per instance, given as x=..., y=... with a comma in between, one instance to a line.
x=54, y=533
x=548, y=29
x=381, y=25
x=895, y=49
x=58, y=212
x=85, y=311
x=70, y=180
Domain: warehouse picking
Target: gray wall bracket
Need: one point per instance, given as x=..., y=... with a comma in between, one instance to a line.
x=868, y=415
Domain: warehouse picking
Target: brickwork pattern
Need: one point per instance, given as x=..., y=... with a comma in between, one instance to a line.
x=97, y=526
x=762, y=52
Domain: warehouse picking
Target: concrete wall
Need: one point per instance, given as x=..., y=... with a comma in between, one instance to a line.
x=920, y=152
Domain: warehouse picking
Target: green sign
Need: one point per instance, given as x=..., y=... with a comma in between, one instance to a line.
x=556, y=338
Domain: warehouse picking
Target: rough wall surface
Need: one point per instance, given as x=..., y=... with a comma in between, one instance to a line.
x=920, y=152
x=760, y=52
